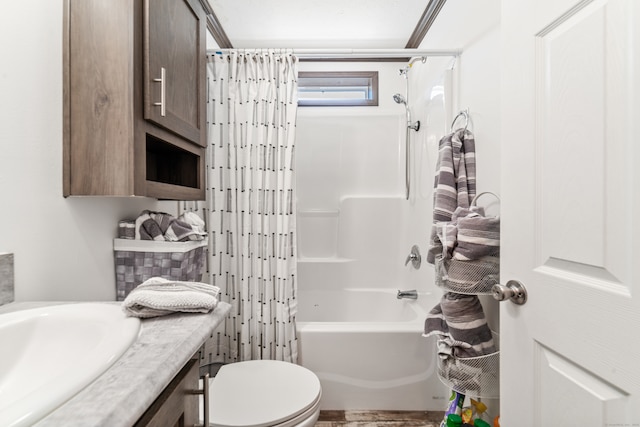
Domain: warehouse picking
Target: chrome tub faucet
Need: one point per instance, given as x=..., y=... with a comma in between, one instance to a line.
x=412, y=294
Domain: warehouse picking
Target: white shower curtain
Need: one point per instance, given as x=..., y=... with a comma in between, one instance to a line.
x=252, y=103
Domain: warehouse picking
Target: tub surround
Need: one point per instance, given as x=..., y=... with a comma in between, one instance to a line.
x=123, y=393
x=6, y=278
x=360, y=265
x=339, y=339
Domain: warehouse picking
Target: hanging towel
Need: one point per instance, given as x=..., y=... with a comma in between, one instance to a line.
x=459, y=322
x=470, y=244
x=158, y=297
x=447, y=237
x=463, y=276
x=477, y=236
x=455, y=181
x=464, y=375
x=161, y=226
x=461, y=212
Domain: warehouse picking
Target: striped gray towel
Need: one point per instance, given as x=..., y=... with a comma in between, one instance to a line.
x=159, y=297
x=162, y=226
x=455, y=181
x=461, y=212
x=481, y=273
x=459, y=322
x=447, y=236
x=464, y=375
x=477, y=236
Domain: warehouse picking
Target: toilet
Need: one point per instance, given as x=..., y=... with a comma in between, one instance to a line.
x=264, y=393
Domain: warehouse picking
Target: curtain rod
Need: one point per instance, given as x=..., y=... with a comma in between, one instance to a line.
x=357, y=53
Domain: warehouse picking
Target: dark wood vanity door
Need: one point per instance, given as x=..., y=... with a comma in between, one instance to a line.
x=174, y=51
x=178, y=405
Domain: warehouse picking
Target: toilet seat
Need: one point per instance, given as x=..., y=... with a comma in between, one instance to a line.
x=263, y=393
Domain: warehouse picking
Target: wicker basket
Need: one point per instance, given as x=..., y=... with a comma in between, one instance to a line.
x=473, y=376
x=139, y=260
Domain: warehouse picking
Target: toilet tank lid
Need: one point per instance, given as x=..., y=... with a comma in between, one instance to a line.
x=260, y=393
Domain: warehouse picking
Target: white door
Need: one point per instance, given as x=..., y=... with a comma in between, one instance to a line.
x=570, y=118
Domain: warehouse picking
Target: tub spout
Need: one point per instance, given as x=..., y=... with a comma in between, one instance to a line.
x=412, y=294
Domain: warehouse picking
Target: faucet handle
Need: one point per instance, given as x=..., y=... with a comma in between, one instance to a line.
x=414, y=257
x=411, y=257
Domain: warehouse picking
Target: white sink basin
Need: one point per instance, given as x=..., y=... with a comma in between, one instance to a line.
x=49, y=354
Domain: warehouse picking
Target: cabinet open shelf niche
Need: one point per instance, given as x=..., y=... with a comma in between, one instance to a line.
x=169, y=164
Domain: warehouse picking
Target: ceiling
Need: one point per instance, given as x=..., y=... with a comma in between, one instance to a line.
x=328, y=24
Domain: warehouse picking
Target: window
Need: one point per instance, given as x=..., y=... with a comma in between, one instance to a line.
x=344, y=88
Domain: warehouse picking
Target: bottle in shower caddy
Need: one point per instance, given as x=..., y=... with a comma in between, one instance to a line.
x=474, y=413
x=455, y=407
x=454, y=420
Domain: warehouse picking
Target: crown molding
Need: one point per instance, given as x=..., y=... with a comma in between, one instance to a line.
x=215, y=27
x=428, y=18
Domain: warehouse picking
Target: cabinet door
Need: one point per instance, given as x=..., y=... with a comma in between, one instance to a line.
x=178, y=405
x=174, y=61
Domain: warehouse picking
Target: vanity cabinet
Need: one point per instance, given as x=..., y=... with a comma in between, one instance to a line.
x=177, y=405
x=134, y=98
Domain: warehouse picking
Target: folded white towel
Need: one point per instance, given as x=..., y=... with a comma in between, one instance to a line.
x=159, y=297
x=194, y=220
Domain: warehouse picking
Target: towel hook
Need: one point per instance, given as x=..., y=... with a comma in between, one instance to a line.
x=464, y=113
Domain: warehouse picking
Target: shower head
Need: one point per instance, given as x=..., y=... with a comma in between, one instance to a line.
x=399, y=99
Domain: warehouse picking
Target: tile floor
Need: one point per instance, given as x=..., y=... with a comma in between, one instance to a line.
x=379, y=419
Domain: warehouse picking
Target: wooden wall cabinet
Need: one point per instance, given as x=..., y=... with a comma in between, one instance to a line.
x=134, y=98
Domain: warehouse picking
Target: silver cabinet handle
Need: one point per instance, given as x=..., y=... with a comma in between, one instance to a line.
x=163, y=91
x=205, y=397
x=514, y=291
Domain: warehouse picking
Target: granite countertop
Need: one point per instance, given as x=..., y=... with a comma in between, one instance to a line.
x=124, y=392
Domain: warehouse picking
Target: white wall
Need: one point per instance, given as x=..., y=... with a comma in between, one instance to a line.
x=62, y=247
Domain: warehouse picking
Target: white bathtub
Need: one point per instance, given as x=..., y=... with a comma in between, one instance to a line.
x=366, y=347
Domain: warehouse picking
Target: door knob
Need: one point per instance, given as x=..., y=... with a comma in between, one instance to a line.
x=513, y=290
